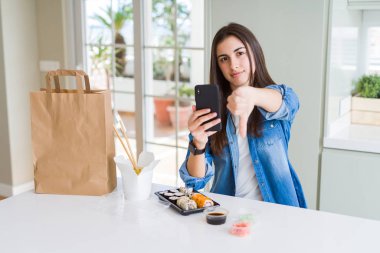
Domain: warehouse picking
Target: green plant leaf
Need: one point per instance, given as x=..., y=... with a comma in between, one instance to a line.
x=368, y=86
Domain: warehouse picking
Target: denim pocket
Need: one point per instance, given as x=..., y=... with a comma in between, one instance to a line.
x=270, y=134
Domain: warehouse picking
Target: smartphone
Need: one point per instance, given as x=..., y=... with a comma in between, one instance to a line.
x=208, y=96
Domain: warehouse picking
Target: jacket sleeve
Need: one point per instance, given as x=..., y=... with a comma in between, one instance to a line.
x=289, y=107
x=197, y=182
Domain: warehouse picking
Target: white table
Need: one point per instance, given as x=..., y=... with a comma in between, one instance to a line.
x=55, y=223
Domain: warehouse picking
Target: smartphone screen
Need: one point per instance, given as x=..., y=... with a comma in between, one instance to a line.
x=208, y=96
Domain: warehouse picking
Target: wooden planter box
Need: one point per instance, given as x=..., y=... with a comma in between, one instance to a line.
x=365, y=111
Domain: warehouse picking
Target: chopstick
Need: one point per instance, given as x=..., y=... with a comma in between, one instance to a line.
x=134, y=160
x=122, y=127
x=131, y=158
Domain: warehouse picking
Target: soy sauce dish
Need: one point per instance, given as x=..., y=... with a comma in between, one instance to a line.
x=216, y=215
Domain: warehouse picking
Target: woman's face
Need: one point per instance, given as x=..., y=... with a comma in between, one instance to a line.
x=232, y=57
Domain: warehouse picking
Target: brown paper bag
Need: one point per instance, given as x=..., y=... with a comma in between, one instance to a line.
x=72, y=138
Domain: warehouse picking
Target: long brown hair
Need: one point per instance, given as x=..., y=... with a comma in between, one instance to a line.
x=260, y=78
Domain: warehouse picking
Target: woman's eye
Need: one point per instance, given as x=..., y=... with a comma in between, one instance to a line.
x=240, y=53
x=223, y=59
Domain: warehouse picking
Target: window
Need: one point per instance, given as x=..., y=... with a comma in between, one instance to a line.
x=109, y=54
x=173, y=63
x=374, y=50
x=352, y=122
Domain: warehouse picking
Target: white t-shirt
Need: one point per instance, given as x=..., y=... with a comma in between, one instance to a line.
x=246, y=181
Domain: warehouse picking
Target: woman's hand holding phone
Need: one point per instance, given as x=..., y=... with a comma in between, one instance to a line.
x=197, y=130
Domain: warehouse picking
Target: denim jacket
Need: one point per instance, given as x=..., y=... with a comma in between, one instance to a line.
x=276, y=177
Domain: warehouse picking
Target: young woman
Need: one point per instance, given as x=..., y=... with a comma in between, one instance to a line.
x=249, y=156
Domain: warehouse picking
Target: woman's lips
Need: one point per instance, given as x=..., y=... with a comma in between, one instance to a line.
x=237, y=74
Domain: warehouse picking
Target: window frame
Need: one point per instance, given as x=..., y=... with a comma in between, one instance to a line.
x=176, y=49
x=75, y=37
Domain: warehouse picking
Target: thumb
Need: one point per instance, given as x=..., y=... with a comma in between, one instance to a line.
x=243, y=125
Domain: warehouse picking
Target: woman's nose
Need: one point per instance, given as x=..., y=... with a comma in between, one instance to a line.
x=234, y=64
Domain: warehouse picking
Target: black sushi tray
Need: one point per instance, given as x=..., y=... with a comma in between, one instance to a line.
x=173, y=203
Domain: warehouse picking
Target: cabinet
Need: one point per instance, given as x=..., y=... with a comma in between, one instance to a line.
x=350, y=183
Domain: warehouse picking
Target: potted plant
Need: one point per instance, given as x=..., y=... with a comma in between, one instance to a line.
x=160, y=107
x=116, y=19
x=365, y=104
x=185, y=93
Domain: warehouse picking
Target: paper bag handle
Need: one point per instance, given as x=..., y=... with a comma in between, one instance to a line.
x=79, y=74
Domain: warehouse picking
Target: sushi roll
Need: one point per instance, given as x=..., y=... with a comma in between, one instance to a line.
x=173, y=190
x=189, y=191
x=182, y=202
x=192, y=205
x=186, y=203
x=186, y=191
x=168, y=194
x=202, y=200
x=179, y=194
x=173, y=198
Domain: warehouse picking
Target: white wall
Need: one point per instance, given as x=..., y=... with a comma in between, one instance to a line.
x=50, y=33
x=20, y=57
x=5, y=165
x=293, y=36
